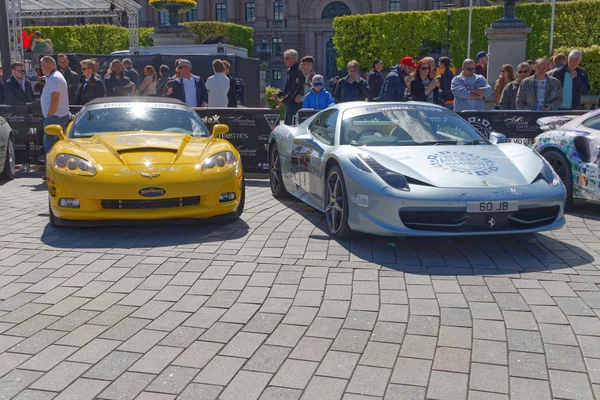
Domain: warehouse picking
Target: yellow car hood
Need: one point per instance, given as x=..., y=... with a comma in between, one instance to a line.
x=146, y=148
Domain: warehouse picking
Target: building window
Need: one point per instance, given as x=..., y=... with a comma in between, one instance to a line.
x=277, y=75
x=80, y=21
x=395, y=5
x=250, y=12
x=335, y=9
x=163, y=18
x=221, y=12
x=278, y=10
x=277, y=44
x=437, y=4
x=192, y=15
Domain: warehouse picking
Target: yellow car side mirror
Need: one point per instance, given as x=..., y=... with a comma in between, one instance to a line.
x=55, y=130
x=219, y=129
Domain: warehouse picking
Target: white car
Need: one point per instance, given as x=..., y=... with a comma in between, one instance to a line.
x=8, y=166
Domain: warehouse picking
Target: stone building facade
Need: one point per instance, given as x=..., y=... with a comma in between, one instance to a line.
x=304, y=25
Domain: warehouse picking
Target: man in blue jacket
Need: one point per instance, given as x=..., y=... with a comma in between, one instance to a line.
x=189, y=88
x=394, y=85
x=318, y=98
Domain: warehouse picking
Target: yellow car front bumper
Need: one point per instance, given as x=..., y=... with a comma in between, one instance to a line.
x=188, y=194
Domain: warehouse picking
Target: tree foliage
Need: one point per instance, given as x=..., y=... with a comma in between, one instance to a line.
x=104, y=38
x=394, y=35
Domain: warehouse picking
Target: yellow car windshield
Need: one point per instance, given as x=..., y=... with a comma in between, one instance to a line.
x=137, y=118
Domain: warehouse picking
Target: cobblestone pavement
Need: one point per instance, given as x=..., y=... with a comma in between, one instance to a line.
x=269, y=307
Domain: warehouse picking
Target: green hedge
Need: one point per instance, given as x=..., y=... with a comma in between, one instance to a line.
x=104, y=39
x=241, y=36
x=396, y=34
x=591, y=63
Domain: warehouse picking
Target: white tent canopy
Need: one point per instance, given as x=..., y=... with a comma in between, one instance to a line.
x=39, y=9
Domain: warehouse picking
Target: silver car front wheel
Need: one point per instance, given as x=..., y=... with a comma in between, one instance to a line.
x=336, y=204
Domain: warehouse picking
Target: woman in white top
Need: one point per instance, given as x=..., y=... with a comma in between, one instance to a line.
x=148, y=87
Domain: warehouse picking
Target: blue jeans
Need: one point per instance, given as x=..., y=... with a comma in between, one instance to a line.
x=49, y=140
x=290, y=111
x=448, y=106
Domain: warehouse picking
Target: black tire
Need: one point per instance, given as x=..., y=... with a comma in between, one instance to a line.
x=10, y=166
x=561, y=166
x=51, y=216
x=337, y=204
x=275, y=174
x=242, y=204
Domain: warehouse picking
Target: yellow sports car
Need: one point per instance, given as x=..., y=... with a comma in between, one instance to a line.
x=141, y=159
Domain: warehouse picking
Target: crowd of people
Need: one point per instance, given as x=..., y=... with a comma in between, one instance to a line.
x=543, y=85
x=59, y=86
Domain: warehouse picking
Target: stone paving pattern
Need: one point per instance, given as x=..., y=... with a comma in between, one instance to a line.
x=269, y=307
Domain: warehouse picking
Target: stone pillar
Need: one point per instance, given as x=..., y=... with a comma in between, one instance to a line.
x=507, y=42
x=263, y=86
x=261, y=13
x=231, y=11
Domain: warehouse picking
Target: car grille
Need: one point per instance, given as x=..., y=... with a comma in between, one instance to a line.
x=461, y=221
x=150, y=204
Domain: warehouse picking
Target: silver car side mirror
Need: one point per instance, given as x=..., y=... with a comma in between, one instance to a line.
x=497, y=138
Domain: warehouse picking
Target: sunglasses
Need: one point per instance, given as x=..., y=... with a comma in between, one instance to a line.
x=85, y=68
x=317, y=84
x=470, y=69
x=19, y=70
x=523, y=72
x=425, y=68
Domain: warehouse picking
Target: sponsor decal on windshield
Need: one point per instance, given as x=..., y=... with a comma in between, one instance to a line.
x=404, y=107
x=144, y=105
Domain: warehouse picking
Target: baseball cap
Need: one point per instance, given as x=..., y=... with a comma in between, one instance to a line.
x=408, y=61
x=317, y=79
x=481, y=54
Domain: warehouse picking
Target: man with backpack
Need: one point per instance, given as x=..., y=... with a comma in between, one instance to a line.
x=237, y=87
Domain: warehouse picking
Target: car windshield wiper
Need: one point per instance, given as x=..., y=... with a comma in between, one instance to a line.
x=471, y=142
x=435, y=142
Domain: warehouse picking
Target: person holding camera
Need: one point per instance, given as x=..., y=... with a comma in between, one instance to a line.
x=352, y=87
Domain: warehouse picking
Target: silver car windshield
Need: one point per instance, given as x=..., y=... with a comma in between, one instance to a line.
x=137, y=117
x=406, y=126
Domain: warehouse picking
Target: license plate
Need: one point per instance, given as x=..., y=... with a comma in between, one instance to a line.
x=491, y=206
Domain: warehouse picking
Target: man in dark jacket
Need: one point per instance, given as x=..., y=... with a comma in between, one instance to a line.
x=91, y=87
x=71, y=77
x=292, y=92
x=375, y=79
x=132, y=74
x=189, y=88
x=445, y=95
x=231, y=101
x=17, y=91
x=575, y=81
x=352, y=87
x=116, y=83
x=394, y=85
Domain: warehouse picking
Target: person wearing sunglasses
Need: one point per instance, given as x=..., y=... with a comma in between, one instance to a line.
x=17, y=91
x=91, y=87
x=508, y=99
x=422, y=86
x=375, y=79
x=540, y=92
x=470, y=89
x=318, y=98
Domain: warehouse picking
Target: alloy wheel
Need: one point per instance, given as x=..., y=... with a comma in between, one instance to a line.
x=334, y=211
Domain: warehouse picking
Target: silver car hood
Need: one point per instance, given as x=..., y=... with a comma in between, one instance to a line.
x=477, y=166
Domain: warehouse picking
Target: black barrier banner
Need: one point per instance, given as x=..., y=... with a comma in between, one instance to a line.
x=518, y=126
x=249, y=130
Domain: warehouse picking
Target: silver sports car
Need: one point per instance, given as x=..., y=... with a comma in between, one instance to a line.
x=7, y=151
x=412, y=169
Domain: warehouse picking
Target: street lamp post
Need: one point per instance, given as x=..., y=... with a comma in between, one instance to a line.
x=448, y=6
x=263, y=51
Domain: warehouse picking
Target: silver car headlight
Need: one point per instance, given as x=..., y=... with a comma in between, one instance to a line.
x=70, y=164
x=394, y=179
x=224, y=159
x=547, y=173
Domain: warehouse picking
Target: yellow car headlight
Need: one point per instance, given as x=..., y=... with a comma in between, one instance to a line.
x=70, y=164
x=224, y=159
